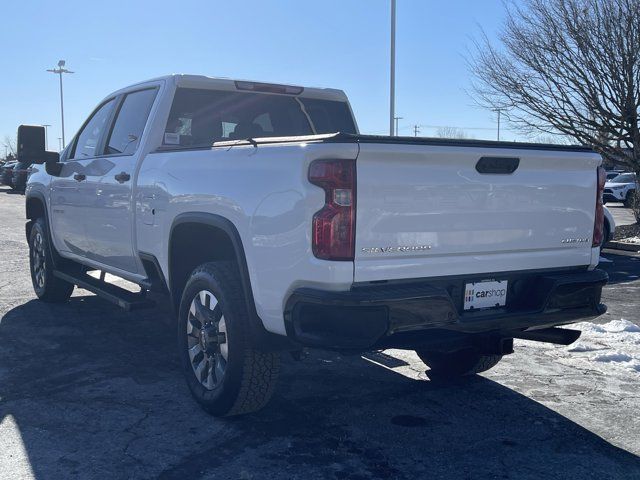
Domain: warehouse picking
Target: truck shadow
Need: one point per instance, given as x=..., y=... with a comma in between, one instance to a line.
x=96, y=392
x=622, y=267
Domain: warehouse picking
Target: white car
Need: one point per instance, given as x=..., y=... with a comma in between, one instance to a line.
x=609, y=226
x=273, y=225
x=621, y=189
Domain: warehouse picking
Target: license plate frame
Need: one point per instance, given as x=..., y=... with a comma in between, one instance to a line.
x=485, y=294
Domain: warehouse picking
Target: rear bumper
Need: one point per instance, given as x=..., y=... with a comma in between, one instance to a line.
x=419, y=312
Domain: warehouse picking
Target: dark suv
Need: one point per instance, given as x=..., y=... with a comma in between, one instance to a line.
x=6, y=173
x=20, y=175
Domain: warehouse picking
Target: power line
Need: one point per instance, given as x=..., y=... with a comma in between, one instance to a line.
x=462, y=128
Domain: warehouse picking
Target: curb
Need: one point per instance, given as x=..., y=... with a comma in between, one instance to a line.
x=627, y=247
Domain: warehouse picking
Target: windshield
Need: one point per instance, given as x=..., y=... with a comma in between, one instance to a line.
x=624, y=178
x=201, y=117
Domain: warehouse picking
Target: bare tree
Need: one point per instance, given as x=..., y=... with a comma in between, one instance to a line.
x=451, y=132
x=567, y=67
x=553, y=139
x=9, y=143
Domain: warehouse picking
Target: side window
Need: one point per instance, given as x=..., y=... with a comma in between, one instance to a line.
x=89, y=136
x=130, y=122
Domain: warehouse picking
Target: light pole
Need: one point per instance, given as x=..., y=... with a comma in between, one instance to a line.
x=396, y=120
x=60, y=143
x=46, y=136
x=60, y=70
x=499, y=111
x=392, y=82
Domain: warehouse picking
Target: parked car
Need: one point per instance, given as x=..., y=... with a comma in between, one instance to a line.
x=613, y=174
x=6, y=173
x=21, y=172
x=270, y=232
x=609, y=226
x=621, y=188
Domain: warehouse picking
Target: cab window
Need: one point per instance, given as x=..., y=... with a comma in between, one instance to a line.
x=130, y=122
x=87, y=140
x=201, y=117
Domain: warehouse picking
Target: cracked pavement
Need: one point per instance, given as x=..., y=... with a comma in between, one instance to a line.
x=89, y=391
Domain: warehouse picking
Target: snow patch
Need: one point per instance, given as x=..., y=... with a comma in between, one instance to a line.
x=633, y=240
x=612, y=357
x=580, y=346
x=613, y=346
x=621, y=325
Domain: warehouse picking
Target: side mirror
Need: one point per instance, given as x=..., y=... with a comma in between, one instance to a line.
x=31, y=144
x=31, y=148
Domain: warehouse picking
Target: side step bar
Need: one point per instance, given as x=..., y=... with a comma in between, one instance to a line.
x=121, y=297
x=559, y=336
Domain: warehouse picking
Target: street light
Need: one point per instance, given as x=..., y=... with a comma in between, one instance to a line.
x=59, y=71
x=46, y=136
x=498, y=111
x=396, y=120
x=392, y=82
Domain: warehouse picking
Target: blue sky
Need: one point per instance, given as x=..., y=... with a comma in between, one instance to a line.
x=333, y=43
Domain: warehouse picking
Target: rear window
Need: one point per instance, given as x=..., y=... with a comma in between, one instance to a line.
x=201, y=117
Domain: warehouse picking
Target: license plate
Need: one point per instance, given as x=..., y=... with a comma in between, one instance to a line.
x=488, y=294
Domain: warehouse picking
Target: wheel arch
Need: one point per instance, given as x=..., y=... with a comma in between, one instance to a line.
x=191, y=238
x=198, y=237
x=35, y=206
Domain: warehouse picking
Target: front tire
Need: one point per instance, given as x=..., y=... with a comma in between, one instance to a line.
x=225, y=373
x=47, y=287
x=451, y=365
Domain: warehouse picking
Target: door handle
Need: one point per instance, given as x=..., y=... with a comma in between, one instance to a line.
x=79, y=177
x=122, y=177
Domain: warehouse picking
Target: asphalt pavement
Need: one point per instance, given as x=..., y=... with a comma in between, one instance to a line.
x=88, y=391
x=621, y=215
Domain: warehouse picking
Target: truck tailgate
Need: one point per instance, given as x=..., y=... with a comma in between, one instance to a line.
x=425, y=210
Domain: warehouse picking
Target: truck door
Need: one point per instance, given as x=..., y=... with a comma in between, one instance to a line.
x=110, y=236
x=73, y=191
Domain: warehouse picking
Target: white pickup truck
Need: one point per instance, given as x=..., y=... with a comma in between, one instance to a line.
x=273, y=225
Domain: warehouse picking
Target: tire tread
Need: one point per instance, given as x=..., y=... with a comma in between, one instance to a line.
x=260, y=369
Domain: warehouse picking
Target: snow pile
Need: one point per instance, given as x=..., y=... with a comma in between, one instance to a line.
x=615, y=344
x=630, y=240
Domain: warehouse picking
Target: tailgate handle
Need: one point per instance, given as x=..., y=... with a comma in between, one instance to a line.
x=497, y=165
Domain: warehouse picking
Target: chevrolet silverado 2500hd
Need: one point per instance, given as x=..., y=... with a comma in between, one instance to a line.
x=272, y=225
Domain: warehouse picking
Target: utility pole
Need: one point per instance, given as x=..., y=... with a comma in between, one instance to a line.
x=416, y=130
x=499, y=111
x=59, y=71
x=396, y=120
x=46, y=136
x=392, y=82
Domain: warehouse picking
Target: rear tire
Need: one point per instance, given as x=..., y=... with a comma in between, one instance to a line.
x=48, y=287
x=450, y=365
x=225, y=373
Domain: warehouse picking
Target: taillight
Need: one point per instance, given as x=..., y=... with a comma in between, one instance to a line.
x=333, y=235
x=598, y=227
